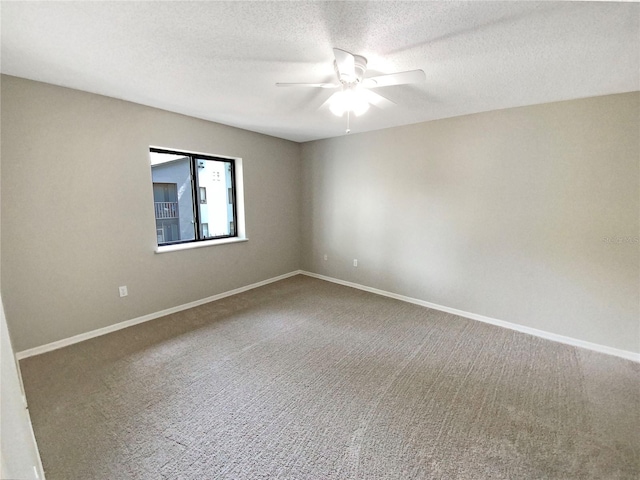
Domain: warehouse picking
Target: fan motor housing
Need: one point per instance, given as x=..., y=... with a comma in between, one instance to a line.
x=360, y=66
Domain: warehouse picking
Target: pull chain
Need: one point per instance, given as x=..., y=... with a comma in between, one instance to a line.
x=348, y=119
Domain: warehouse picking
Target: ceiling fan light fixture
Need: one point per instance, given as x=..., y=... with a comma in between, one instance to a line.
x=355, y=95
x=348, y=100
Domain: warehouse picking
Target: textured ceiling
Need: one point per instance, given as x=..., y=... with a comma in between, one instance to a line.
x=220, y=60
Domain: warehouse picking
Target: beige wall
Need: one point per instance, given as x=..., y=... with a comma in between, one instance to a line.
x=77, y=212
x=501, y=214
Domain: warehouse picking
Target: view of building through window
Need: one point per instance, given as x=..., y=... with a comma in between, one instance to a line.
x=194, y=197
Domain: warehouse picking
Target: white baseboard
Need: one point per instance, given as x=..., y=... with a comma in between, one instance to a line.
x=145, y=318
x=500, y=323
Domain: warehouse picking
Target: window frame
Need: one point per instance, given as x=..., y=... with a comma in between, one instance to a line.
x=195, y=201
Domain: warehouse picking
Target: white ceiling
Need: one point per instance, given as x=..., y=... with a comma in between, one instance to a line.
x=220, y=60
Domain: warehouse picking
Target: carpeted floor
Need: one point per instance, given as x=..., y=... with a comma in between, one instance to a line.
x=305, y=379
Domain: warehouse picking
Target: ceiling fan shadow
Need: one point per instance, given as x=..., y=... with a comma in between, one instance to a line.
x=521, y=11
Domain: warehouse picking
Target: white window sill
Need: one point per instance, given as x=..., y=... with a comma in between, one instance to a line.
x=207, y=243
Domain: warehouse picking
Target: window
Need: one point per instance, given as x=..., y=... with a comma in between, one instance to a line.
x=194, y=197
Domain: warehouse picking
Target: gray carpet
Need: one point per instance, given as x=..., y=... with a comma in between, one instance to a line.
x=304, y=379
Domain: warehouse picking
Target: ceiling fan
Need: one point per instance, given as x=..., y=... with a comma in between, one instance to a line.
x=355, y=94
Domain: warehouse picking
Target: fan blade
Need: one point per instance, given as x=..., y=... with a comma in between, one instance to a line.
x=312, y=85
x=400, y=78
x=346, y=64
x=378, y=100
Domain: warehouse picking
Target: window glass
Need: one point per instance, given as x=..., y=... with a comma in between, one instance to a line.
x=216, y=177
x=194, y=197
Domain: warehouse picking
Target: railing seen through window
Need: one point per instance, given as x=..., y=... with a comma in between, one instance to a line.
x=194, y=196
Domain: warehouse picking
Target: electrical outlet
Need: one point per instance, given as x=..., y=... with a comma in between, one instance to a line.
x=355, y=262
x=326, y=257
x=123, y=291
